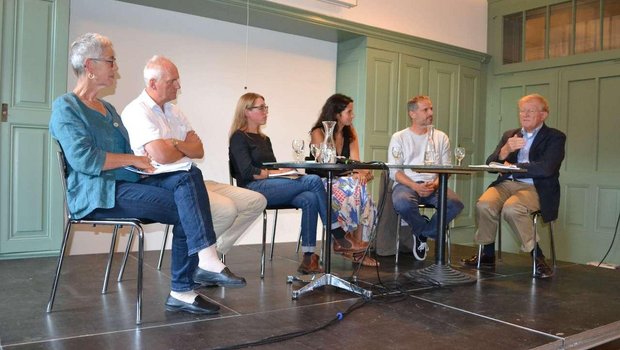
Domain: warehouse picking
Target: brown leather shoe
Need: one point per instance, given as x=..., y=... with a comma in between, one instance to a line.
x=312, y=267
x=355, y=245
x=485, y=261
x=542, y=269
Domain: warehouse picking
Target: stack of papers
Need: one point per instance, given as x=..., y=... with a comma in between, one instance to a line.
x=290, y=174
x=181, y=165
x=495, y=165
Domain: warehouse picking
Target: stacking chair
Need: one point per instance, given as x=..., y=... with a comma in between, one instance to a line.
x=390, y=183
x=275, y=209
x=398, y=224
x=534, y=215
x=116, y=223
x=130, y=243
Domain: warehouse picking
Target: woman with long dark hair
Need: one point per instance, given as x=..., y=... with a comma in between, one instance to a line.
x=351, y=200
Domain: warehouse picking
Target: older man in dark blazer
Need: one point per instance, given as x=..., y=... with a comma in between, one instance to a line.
x=538, y=149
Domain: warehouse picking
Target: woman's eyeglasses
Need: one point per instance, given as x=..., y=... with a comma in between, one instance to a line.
x=111, y=61
x=261, y=108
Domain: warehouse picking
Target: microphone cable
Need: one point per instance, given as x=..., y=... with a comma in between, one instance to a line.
x=612, y=242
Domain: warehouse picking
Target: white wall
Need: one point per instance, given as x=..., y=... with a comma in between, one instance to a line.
x=295, y=74
x=461, y=23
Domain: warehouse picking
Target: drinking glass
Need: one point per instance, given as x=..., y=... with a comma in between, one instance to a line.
x=397, y=153
x=459, y=154
x=298, y=148
x=315, y=151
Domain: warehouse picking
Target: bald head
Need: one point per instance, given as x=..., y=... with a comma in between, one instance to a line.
x=161, y=77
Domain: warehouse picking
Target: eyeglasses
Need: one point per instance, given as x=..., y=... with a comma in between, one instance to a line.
x=261, y=108
x=529, y=111
x=111, y=61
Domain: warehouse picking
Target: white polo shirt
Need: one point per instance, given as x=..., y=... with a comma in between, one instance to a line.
x=145, y=122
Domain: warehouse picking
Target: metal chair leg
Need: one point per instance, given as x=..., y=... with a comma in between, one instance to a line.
x=397, y=239
x=63, y=249
x=499, y=239
x=552, y=245
x=535, y=255
x=323, y=233
x=298, y=243
x=140, y=265
x=163, y=247
x=449, y=250
x=108, y=268
x=479, y=256
x=262, y=254
x=273, y=234
x=127, y=250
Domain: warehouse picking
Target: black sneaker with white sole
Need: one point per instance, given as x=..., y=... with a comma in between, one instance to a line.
x=419, y=248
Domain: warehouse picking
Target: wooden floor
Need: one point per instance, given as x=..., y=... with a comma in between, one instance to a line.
x=578, y=308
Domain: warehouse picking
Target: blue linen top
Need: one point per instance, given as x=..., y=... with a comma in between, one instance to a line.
x=85, y=136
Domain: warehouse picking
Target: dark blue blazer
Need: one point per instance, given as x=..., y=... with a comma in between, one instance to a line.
x=546, y=156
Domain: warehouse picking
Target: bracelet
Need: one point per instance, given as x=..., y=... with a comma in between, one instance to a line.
x=175, y=143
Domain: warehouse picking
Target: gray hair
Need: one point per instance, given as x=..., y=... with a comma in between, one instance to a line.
x=154, y=68
x=89, y=45
x=412, y=104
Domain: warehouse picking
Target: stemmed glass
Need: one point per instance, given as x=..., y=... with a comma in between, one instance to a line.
x=459, y=154
x=397, y=153
x=298, y=148
x=315, y=151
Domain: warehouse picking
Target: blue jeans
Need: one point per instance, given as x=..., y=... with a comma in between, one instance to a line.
x=406, y=202
x=306, y=192
x=178, y=199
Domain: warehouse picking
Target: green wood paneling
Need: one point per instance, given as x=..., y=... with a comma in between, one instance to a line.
x=34, y=72
x=413, y=81
x=394, y=73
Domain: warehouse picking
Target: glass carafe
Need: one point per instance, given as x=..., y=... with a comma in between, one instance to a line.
x=328, y=146
x=430, y=155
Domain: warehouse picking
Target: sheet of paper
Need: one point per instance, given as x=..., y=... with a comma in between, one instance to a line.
x=183, y=164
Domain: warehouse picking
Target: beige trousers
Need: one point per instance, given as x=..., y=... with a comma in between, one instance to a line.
x=515, y=201
x=233, y=210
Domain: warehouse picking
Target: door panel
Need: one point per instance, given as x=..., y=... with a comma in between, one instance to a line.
x=443, y=91
x=412, y=81
x=34, y=46
x=381, y=102
x=590, y=204
x=466, y=135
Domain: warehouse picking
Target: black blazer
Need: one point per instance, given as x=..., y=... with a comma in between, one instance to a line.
x=546, y=155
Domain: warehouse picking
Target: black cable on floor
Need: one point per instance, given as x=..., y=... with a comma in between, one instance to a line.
x=612, y=242
x=282, y=337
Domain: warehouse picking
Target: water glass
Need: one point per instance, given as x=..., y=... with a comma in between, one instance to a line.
x=298, y=148
x=315, y=151
x=459, y=154
x=397, y=153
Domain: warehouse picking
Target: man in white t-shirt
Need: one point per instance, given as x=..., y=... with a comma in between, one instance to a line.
x=158, y=128
x=412, y=188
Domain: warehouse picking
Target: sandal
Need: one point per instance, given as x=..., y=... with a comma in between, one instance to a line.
x=356, y=258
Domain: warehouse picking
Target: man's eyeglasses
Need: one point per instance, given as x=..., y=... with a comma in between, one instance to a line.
x=261, y=108
x=529, y=111
x=111, y=61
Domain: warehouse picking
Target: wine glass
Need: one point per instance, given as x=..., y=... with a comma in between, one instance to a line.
x=397, y=153
x=298, y=148
x=459, y=154
x=315, y=151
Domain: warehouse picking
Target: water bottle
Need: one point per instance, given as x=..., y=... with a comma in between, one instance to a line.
x=430, y=155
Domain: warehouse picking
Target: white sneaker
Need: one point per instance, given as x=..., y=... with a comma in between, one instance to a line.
x=419, y=248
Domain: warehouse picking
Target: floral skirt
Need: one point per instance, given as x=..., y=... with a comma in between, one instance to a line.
x=352, y=202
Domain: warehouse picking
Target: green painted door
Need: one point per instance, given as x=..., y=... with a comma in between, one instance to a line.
x=33, y=72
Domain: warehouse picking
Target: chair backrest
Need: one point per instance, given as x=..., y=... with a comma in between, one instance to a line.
x=62, y=167
x=231, y=171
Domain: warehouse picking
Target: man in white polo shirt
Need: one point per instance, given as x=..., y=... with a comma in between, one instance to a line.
x=158, y=128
